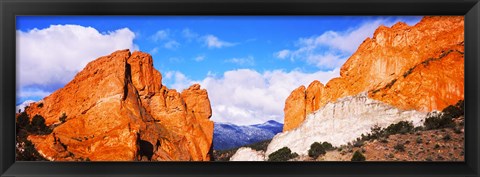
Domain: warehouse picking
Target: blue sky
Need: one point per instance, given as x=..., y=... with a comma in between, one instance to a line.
x=248, y=64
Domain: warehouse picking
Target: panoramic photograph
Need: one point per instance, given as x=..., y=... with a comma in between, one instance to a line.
x=240, y=88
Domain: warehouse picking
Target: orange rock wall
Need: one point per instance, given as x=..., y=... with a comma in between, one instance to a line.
x=430, y=51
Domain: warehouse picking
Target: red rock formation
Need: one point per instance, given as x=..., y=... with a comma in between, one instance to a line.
x=429, y=54
x=118, y=110
x=295, y=109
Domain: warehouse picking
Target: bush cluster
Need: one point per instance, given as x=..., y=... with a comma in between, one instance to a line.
x=316, y=149
x=63, y=118
x=25, y=150
x=377, y=132
x=445, y=120
x=283, y=154
x=36, y=126
x=438, y=122
x=399, y=147
x=358, y=156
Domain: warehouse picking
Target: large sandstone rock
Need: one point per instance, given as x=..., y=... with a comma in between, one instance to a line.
x=294, y=109
x=118, y=110
x=418, y=67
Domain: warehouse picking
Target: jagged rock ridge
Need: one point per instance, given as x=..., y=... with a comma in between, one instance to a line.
x=418, y=67
x=118, y=110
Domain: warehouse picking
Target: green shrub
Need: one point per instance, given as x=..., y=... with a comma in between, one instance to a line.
x=439, y=121
x=316, y=149
x=419, y=128
x=327, y=146
x=377, y=132
x=419, y=140
x=447, y=137
x=38, y=125
x=358, y=143
x=457, y=130
x=456, y=110
x=358, y=156
x=401, y=127
x=63, y=118
x=399, y=147
x=282, y=154
x=445, y=120
x=23, y=120
x=26, y=150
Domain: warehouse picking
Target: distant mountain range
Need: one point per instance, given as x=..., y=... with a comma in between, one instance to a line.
x=228, y=136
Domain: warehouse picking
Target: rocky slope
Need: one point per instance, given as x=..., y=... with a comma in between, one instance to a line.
x=418, y=67
x=228, y=136
x=342, y=122
x=117, y=109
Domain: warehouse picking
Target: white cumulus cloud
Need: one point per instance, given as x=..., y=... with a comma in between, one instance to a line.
x=245, y=96
x=214, y=42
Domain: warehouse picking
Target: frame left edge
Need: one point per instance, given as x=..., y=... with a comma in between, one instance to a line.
x=7, y=82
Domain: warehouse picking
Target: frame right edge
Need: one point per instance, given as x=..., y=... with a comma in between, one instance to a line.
x=472, y=75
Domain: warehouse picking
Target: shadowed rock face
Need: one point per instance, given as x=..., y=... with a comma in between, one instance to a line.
x=418, y=67
x=118, y=110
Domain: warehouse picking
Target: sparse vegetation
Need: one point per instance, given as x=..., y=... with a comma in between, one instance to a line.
x=438, y=122
x=358, y=157
x=399, y=147
x=25, y=150
x=401, y=127
x=389, y=85
x=328, y=146
x=447, y=137
x=457, y=130
x=408, y=72
x=377, y=132
x=23, y=120
x=316, y=149
x=419, y=140
x=358, y=143
x=63, y=118
x=283, y=154
x=445, y=119
x=224, y=155
x=38, y=125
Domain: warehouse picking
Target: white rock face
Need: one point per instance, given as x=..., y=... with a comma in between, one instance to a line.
x=248, y=154
x=341, y=122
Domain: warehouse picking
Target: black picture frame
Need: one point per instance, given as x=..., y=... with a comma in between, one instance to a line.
x=10, y=8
